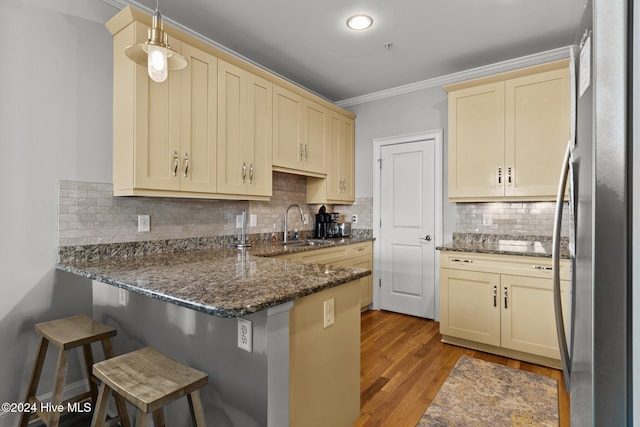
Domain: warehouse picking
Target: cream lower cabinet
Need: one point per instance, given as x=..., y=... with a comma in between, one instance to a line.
x=501, y=304
x=357, y=255
x=245, y=110
x=508, y=134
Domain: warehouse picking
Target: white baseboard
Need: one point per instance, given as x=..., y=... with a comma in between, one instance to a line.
x=9, y=419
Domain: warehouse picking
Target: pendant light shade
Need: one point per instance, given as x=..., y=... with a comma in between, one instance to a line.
x=155, y=53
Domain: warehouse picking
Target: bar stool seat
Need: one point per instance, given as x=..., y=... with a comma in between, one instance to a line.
x=67, y=334
x=149, y=380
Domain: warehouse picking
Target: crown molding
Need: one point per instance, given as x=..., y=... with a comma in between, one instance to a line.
x=121, y=4
x=473, y=73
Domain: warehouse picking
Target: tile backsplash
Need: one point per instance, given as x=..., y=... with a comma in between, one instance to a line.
x=88, y=213
x=514, y=218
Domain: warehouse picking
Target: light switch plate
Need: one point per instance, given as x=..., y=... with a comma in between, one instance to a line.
x=329, y=312
x=144, y=223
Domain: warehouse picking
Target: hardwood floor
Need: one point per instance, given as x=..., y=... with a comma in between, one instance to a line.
x=403, y=365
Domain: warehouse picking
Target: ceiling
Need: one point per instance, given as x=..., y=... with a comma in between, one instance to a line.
x=308, y=42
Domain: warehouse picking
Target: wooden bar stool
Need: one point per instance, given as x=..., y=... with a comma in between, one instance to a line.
x=149, y=380
x=66, y=334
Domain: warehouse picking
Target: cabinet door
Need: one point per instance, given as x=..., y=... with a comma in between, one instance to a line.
x=346, y=160
x=232, y=88
x=528, y=318
x=340, y=179
x=260, y=133
x=198, y=121
x=537, y=131
x=288, y=150
x=316, y=129
x=157, y=126
x=469, y=305
x=476, y=141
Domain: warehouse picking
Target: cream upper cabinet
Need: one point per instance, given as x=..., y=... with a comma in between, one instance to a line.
x=502, y=304
x=507, y=134
x=164, y=133
x=244, y=132
x=217, y=129
x=476, y=141
x=537, y=127
x=339, y=185
x=300, y=134
x=198, y=121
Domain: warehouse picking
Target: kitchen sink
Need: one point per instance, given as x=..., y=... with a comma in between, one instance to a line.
x=310, y=242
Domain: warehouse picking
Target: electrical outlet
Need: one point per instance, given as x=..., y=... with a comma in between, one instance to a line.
x=305, y=218
x=144, y=223
x=253, y=220
x=354, y=218
x=486, y=219
x=329, y=312
x=238, y=221
x=245, y=335
x=123, y=297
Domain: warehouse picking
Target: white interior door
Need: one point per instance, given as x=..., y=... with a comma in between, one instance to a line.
x=407, y=227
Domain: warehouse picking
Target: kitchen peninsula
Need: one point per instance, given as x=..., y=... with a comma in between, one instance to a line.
x=208, y=286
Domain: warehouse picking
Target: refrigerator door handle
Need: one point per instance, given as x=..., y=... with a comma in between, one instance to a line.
x=555, y=256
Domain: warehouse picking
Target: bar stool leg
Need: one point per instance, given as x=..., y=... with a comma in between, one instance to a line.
x=142, y=419
x=121, y=405
x=58, y=386
x=195, y=406
x=88, y=364
x=35, y=379
x=100, y=411
x=158, y=418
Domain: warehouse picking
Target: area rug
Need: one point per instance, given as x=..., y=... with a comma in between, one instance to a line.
x=480, y=393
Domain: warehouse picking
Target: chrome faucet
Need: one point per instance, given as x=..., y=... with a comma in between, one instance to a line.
x=286, y=213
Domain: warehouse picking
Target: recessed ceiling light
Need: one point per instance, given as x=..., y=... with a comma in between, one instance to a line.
x=359, y=22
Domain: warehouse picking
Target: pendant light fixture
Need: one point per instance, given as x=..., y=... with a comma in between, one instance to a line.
x=155, y=53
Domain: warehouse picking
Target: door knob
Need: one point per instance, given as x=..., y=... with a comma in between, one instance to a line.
x=427, y=238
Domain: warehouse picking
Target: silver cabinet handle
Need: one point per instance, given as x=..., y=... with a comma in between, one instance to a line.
x=306, y=152
x=466, y=261
x=244, y=172
x=542, y=267
x=250, y=173
x=186, y=165
x=506, y=295
x=301, y=149
x=495, y=296
x=428, y=239
x=509, y=175
x=499, y=175
x=176, y=163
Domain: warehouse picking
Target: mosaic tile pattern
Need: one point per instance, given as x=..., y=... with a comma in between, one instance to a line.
x=480, y=393
x=522, y=218
x=505, y=244
x=89, y=214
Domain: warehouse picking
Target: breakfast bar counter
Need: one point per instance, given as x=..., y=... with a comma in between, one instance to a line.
x=221, y=281
x=183, y=297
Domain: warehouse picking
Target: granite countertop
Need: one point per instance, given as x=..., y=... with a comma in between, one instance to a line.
x=217, y=280
x=537, y=246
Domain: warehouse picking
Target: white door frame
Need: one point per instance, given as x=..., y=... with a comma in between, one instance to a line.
x=378, y=143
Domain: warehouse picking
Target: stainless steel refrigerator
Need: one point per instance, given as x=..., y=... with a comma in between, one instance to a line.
x=597, y=358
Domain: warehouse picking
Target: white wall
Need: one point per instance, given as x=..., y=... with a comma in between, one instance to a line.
x=418, y=111
x=55, y=123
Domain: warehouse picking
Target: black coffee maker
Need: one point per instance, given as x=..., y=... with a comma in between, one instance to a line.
x=323, y=223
